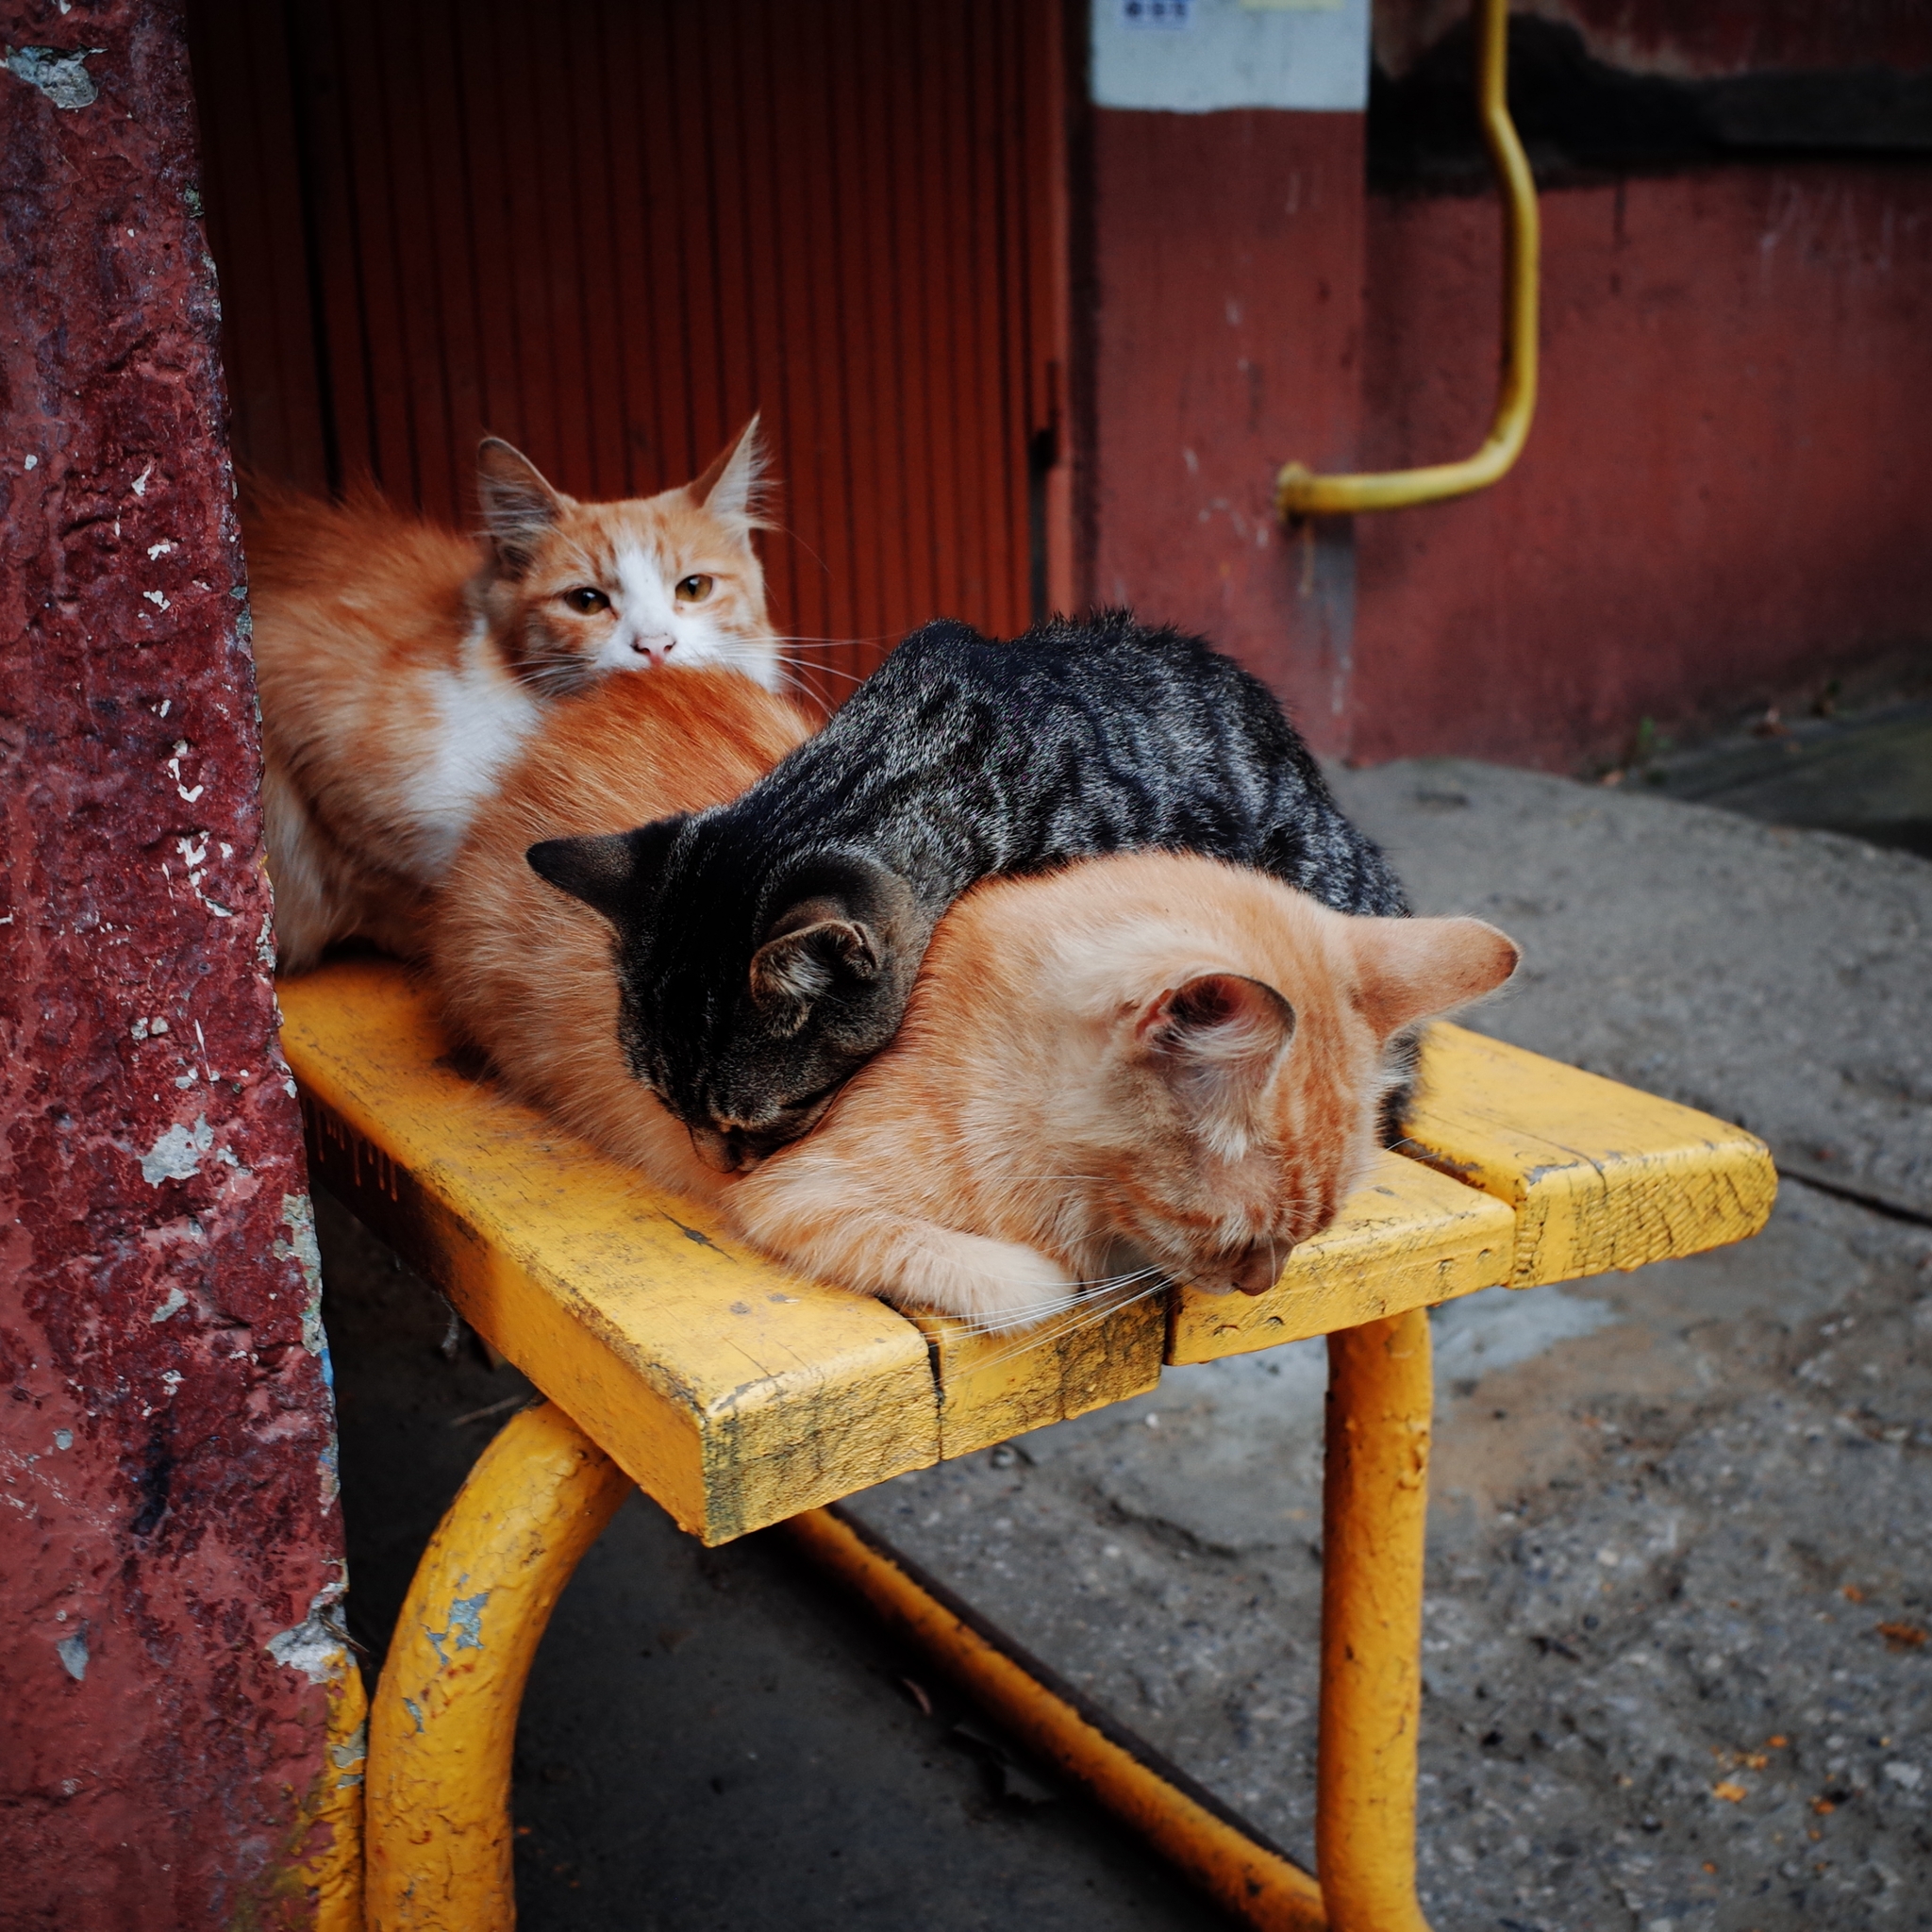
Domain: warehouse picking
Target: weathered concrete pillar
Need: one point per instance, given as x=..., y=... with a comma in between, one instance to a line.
x=169, y=1541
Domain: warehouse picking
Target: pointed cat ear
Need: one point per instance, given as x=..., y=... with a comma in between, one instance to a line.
x=1409, y=969
x=611, y=874
x=731, y=484
x=843, y=921
x=1219, y=1036
x=814, y=948
x=520, y=509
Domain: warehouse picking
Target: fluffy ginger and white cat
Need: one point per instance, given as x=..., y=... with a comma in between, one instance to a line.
x=401, y=666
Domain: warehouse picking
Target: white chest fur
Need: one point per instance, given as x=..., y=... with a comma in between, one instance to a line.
x=479, y=719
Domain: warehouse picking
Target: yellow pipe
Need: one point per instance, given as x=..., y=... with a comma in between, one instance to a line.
x=1376, y=1493
x=1298, y=493
x=1252, y=1880
x=436, y=1819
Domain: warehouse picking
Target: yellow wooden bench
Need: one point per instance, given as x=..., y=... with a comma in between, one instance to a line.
x=738, y=1396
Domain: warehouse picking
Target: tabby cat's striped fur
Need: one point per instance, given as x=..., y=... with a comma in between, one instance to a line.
x=767, y=947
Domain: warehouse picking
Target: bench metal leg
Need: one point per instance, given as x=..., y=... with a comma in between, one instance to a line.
x=332, y=1873
x=444, y=1720
x=1187, y=1826
x=1374, y=1505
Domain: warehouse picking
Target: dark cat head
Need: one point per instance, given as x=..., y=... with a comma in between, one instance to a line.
x=747, y=1020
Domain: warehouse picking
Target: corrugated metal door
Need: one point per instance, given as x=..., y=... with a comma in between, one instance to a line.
x=610, y=231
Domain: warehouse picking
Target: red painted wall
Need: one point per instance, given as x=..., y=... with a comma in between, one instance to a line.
x=166, y=1450
x=1727, y=495
x=1227, y=338
x=1726, y=498
x=1714, y=37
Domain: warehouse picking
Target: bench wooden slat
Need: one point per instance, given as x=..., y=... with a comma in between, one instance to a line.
x=996, y=1386
x=1599, y=1175
x=736, y=1395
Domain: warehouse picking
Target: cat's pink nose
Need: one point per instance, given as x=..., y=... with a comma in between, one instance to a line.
x=1255, y=1270
x=655, y=646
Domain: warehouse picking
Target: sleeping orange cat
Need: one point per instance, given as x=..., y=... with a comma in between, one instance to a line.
x=1150, y=1061
x=401, y=666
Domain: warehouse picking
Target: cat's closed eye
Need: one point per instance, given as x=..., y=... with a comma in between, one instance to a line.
x=694, y=589
x=586, y=599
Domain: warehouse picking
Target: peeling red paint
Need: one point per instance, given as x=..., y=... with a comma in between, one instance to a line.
x=1228, y=338
x=165, y=1503
x=1717, y=37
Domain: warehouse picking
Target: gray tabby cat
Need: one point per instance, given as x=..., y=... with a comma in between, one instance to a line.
x=766, y=948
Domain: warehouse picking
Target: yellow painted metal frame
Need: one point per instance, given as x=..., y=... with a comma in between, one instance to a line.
x=1300, y=494
x=443, y=1724
x=331, y=1872
x=1374, y=1504
x=737, y=1397
x=1188, y=1826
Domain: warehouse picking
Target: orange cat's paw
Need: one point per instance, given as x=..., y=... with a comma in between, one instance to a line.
x=996, y=1286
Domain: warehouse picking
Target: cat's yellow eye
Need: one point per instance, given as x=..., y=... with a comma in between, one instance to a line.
x=693, y=590
x=586, y=599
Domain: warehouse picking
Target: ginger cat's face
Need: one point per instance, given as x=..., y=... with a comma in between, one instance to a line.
x=580, y=589
x=1224, y=1114
x=1236, y=1156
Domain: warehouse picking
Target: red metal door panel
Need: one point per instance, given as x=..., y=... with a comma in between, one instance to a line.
x=612, y=231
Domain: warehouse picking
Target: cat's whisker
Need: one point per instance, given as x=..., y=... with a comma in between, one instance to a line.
x=804, y=680
x=1092, y=1311
x=1040, y=1328
x=805, y=644
x=1052, y=1334
x=1003, y=1323
x=565, y=672
x=1013, y=1322
x=1079, y=1291
x=820, y=670
x=1097, y=1293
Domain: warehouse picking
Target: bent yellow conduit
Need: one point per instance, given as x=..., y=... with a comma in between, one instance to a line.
x=1299, y=494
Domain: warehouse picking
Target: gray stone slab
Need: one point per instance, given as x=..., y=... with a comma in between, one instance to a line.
x=1869, y=776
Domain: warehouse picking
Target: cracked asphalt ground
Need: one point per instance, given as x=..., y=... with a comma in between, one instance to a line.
x=1679, y=1587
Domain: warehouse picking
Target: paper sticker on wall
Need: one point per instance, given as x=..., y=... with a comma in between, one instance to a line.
x=1192, y=56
